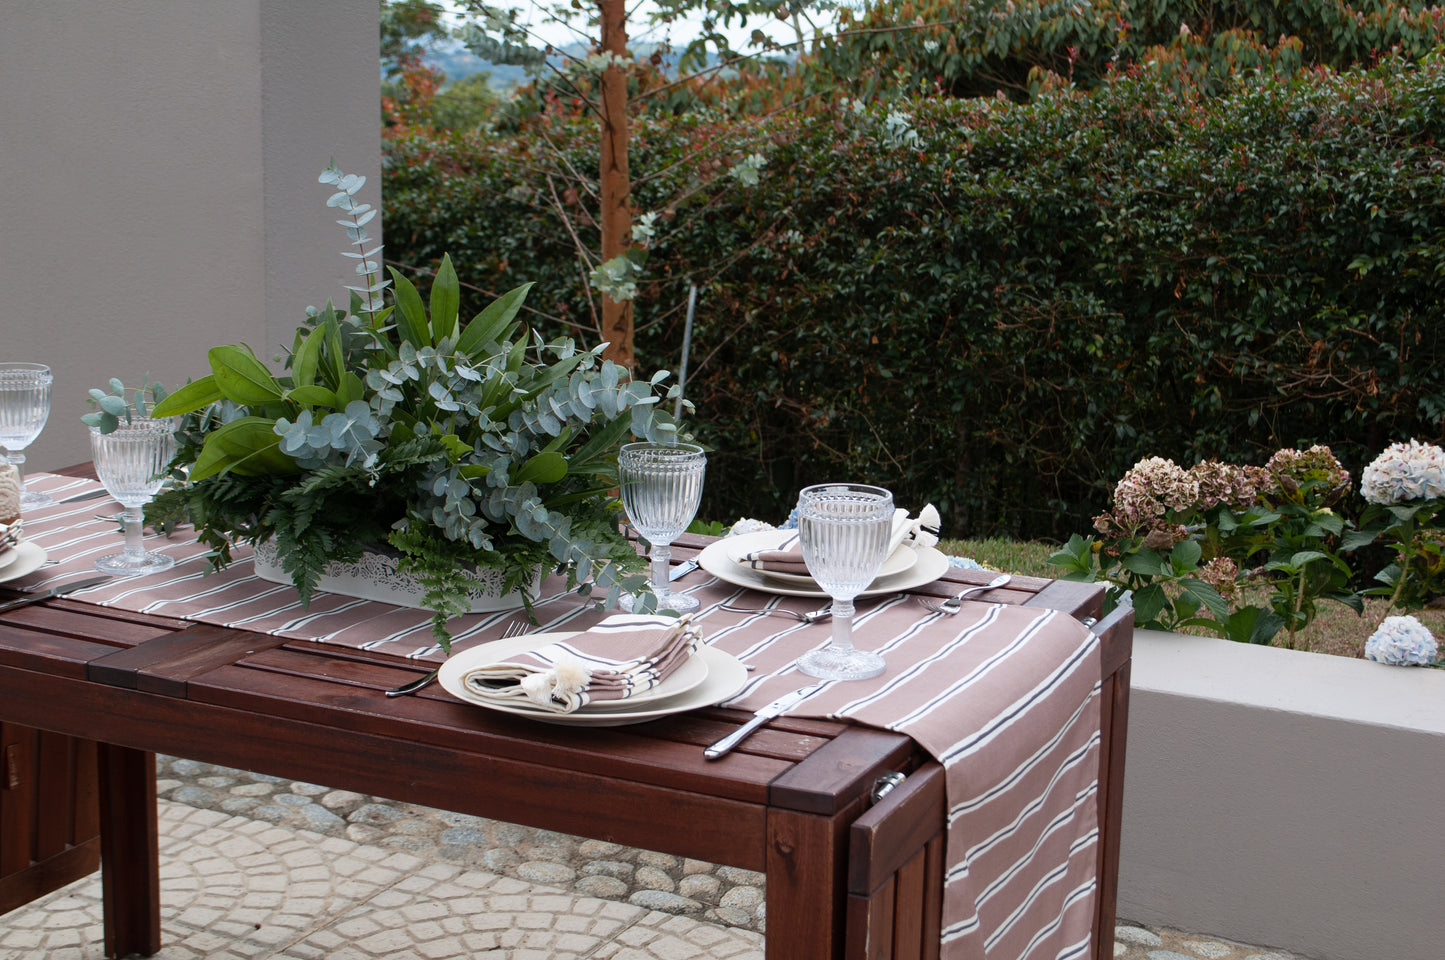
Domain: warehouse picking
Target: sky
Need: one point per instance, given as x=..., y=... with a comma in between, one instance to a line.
x=679, y=33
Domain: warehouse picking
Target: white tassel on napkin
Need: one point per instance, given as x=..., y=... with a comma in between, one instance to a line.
x=925, y=530
x=619, y=657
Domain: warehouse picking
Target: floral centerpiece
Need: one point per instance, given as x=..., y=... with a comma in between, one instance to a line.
x=456, y=445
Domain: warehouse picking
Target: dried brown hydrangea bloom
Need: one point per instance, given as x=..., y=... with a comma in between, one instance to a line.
x=1234, y=486
x=1150, y=489
x=1222, y=574
x=1289, y=469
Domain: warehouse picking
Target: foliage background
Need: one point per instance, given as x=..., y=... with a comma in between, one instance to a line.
x=998, y=304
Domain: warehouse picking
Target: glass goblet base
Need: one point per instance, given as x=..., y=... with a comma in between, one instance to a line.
x=666, y=600
x=828, y=663
x=127, y=565
x=31, y=499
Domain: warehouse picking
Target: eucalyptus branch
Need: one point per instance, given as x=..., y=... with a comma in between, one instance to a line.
x=370, y=299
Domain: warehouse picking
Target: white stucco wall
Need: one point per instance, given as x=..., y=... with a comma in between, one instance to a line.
x=1285, y=798
x=158, y=194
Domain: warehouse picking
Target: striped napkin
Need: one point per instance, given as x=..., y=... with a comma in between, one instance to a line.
x=619, y=657
x=11, y=534
x=787, y=556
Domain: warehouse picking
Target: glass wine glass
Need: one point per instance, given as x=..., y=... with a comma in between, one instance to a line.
x=24, y=408
x=131, y=462
x=844, y=530
x=661, y=487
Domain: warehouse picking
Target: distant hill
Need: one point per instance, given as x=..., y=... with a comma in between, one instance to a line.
x=456, y=61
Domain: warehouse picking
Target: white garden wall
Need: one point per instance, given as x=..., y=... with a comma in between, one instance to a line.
x=1285, y=798
x=158, y=194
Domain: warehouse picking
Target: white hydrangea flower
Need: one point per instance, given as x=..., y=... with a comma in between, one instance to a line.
x=749, y=525
x=1406, y=471
x=1402, y=641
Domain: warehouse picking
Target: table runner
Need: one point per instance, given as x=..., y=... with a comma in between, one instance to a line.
x=1006, y=698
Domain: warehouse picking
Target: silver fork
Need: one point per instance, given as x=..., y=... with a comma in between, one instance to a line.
x=812, y=617
x=955, y=603
x=514, y=629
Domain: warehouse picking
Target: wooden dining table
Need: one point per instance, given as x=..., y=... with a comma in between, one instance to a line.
x=845, y=820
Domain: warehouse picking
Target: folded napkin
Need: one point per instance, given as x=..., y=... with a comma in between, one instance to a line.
x=787, y=557
x=618, y=658
x=11, y=534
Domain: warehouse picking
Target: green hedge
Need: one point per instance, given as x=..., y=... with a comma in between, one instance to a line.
x=996, y=307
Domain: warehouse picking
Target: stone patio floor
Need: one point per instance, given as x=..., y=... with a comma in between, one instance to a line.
x=257, y=867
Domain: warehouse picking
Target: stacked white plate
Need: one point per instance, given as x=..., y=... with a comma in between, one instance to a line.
x=709, y=676
x=18, y=556
x=906, y=569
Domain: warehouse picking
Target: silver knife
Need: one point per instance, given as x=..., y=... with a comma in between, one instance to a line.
x=682, y=570
x=783, y=703
x=87, y=495
x=59, y=591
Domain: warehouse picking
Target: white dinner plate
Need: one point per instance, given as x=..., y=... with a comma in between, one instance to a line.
x=8, y=555
x=743, y=544
x=29, y=557
x=710, y=676
x=930, y=565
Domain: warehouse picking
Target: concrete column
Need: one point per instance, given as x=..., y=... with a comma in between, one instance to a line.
x=158, y=190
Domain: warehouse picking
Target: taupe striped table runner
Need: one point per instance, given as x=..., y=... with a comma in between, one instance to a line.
x=1005, y=697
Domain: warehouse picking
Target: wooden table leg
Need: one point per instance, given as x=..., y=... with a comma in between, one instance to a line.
x=806, y=891
x=129, y=852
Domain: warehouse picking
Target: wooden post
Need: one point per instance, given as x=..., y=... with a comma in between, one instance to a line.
x=616, y=183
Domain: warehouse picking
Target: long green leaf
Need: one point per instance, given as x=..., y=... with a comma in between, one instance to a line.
x=491, y=324
x=307, y=357
x=411, y=322
x=241, y=377
x=601, y=442
x=193, y=396
x=248, y=446
x=545, y=467
x=446, y=299
x=350, y=388
x=313, y=395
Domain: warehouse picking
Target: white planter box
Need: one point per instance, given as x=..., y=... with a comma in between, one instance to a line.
x=1285, y=798
x=375, y=577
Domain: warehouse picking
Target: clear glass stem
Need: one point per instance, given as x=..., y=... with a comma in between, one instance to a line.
x=134, y=520
x=843, y=626
x=661, y=556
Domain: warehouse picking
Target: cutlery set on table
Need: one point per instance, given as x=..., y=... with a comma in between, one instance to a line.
x=851, y=543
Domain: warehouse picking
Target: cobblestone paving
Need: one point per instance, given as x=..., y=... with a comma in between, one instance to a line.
x=245, y=875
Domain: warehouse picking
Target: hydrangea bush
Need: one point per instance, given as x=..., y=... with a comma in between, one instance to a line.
x=1405, y=491
x=1180, y=543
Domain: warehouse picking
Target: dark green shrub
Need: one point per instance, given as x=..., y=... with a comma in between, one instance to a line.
x=1001, y=307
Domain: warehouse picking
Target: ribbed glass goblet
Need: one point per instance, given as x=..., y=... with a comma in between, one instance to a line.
x=661, y=486
x=24, y=408
x=131, y=462
x=844, y=530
